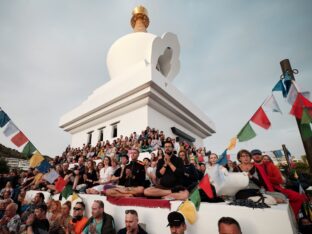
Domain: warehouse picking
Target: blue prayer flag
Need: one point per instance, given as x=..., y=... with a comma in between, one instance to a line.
x=278, y=153
x=4, y=118
x=223, y=159
x=280, y=87
x=44, y=166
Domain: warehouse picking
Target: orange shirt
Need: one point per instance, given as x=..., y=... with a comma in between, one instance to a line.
x=79, y=225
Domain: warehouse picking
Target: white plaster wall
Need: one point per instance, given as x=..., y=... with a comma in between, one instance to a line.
x=132, y=121
x=161, y=122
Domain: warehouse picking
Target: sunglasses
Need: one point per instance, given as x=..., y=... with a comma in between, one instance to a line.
x=131, y=212
x=76, y=208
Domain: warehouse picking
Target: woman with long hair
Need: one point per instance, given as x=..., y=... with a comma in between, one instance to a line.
x=190, y=177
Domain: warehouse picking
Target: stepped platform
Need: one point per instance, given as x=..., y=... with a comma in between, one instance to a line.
x=153, y=214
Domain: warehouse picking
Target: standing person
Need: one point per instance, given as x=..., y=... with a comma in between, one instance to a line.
x=228, y=225
x=170, y=171
x=100, y=222
x=176, y=222
x=132, y=224
x=79, y=221
x=37, y=222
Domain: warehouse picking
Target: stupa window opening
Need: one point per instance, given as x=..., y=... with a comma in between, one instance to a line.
x=89, y=138
x=101, y=134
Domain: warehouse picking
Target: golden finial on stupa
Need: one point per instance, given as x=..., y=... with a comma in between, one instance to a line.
x=139, y=19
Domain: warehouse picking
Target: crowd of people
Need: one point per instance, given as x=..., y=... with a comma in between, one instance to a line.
x=171, y=170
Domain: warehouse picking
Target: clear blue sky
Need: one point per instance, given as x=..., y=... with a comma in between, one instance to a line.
x=53, y=55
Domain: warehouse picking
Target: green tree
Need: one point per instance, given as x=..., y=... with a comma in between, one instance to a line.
x=4, y=167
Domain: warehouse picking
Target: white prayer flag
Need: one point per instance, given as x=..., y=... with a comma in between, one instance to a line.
x=10, y=129
x=292, y=94
x=51, y=176
x=271, y=104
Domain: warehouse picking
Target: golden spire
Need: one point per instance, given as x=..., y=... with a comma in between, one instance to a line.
x=139, y=19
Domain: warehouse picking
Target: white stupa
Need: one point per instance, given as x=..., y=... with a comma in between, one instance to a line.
x=139, y=93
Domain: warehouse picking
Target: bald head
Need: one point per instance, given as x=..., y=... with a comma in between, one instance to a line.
x=11, y=210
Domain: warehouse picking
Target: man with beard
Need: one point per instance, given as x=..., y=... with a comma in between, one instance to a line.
x=170, y=172
x=275, y=178
x=100, y=222
x=132, y=224
x=78, y=221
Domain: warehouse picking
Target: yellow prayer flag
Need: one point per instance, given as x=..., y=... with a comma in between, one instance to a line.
x=36, y=159
x=232, y=143
x=188, y=209
x=74, y=197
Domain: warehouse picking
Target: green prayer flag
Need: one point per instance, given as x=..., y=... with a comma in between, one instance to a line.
x=306, y=131
x=29, y=149
x=246, y=133
x=67, y=191
x=195, y=198
x=306, y=117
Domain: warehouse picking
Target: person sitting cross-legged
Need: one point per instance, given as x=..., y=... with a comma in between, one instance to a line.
x=132, y=180
x=170, y=171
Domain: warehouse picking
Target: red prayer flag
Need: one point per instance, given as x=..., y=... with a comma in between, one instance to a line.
x=205, y=185
x=300, y=103
x=261, y=118
x=19, y=139
x=60, y=184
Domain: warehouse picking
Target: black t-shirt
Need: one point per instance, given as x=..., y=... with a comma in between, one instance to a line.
x=171, y=179
x=138, y=175
x=41, y=226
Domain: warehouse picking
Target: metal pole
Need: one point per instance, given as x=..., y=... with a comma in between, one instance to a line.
x=307, y=143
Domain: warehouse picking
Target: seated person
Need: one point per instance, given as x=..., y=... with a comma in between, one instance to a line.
x=190, y=178
x=170, y=172
x=79, y=221
x=4, y=202
x=132, y=224
x=257, y=179
x=11, y=221
x=132, y=180
x=105, y=176
x=100, y=222
x=37, y=222
x=275, y=178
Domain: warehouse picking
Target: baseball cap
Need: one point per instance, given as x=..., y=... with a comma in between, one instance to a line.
x=175, y=219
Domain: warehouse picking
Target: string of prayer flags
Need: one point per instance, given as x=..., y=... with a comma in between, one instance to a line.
x=223, y=159
x=270, y=104
x=19, y=139
x=36, y=159
x=246, y=133
x=51, y=176
x=232, y=143
x=28, y=149
x=280, y=87
x=205, y=185
x=261, y=119
x=4, y=118
x=188, y=210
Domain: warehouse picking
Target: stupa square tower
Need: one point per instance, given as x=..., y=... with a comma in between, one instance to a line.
x=139, y=93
